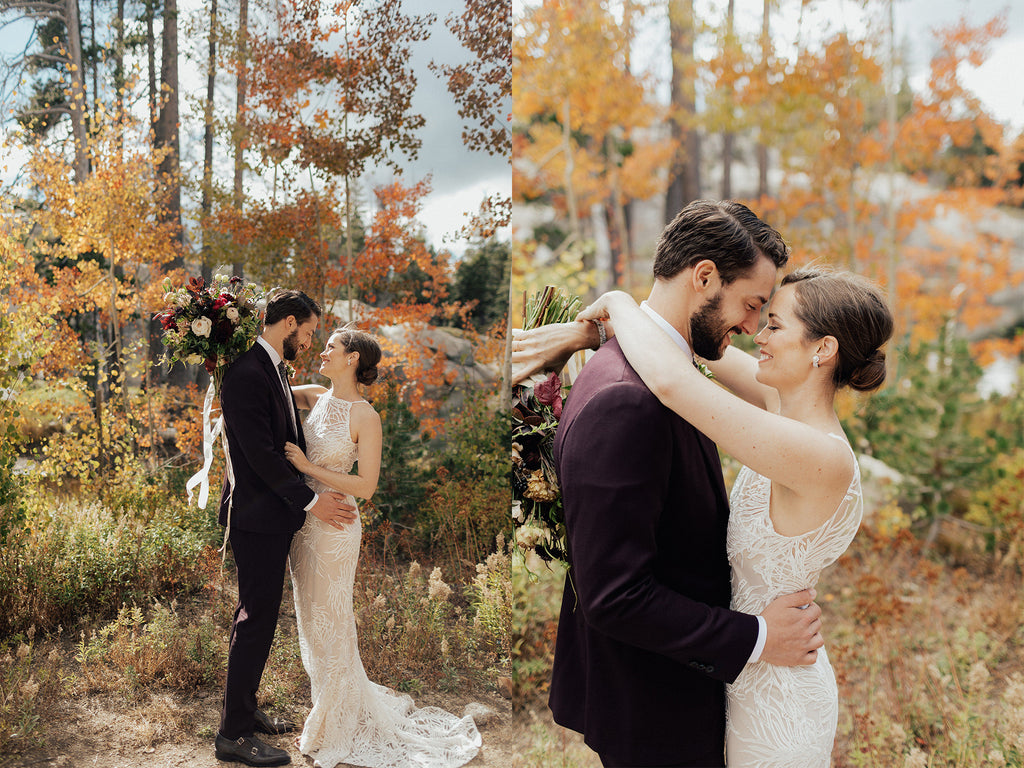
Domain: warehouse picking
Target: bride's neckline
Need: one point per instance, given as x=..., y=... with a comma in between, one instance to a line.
x=332, y=396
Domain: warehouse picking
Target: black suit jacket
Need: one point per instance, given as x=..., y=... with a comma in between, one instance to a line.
x=645, y=640
x=269, y=495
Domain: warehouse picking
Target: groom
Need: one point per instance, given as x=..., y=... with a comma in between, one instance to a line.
x=263, y=509
x=646, y=640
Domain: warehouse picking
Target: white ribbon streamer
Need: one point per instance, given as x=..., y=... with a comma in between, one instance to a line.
x=202, y=477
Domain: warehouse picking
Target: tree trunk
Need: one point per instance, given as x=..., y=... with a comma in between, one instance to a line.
x=119, y=64
x=206, y=203
x=78, y=127
x=154, y=95
x=166, y=137
x=242, y=84
x=762, y=147
x=570, y=190
x=728, y=138
x=684, y=175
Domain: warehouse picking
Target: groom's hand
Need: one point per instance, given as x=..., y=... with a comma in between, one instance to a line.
x=333, y=510
x=794, y=630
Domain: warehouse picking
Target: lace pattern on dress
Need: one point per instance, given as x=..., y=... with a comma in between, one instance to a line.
x=354, y=720
x=782, y=716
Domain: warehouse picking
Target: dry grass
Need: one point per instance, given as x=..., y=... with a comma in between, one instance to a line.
x=443, y=638
x=929, y=658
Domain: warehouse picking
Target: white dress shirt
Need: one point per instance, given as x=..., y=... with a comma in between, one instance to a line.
x=677, y=337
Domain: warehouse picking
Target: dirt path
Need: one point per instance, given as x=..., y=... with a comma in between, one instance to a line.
x=171, y=731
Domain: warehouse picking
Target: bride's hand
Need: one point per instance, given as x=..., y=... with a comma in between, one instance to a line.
x=601, y=309
x=295, y=455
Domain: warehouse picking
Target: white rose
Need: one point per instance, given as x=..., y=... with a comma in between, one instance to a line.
x=528, y=536
x=194, y=359
x=220, y=277
x=231, y=313
x=202, y=326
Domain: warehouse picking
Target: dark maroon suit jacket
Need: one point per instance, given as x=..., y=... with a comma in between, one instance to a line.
x=270, y=495
x=646, y=641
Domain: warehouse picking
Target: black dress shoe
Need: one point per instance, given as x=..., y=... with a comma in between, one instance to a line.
x=249, y=750
x=272, y=725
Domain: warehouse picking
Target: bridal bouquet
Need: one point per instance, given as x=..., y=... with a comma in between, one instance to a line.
x=537, y=513
x=210, y=324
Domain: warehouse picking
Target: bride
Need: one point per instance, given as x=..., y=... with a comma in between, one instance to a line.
x=796, y=505
x=353, y=720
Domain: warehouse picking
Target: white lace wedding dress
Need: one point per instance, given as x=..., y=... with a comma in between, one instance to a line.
x=354, y=721
x=782, y=716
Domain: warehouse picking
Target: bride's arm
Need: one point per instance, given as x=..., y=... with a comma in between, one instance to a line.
x=549, y=347
x=366, y=432
x=789, y=452
x=306, y=394
x=737, y=371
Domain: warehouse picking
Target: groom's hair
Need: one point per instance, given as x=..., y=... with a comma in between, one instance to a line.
x=726, y=232
x=286, y=303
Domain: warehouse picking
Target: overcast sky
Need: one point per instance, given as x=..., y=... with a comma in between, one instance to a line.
x=460, y=178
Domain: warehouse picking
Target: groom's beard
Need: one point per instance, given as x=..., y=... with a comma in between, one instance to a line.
x=290, y=345
x=707, y=331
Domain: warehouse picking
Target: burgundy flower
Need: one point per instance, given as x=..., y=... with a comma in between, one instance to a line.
x=222, y=300
x=549, y=392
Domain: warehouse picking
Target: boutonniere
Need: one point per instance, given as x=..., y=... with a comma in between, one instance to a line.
x=700, y=366
x=289, y=369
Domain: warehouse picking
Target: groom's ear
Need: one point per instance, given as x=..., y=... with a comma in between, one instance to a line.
x=705, y=275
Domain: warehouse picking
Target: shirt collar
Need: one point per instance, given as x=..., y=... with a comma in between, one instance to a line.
x=668, y=328
x=274, y=357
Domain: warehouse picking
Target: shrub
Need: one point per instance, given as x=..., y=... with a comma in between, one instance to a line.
x=416, y=632
x=999, y=508
x=138, y=652
x=80, y=559
x=469, y=499
x=922, y=427
x=30, y=685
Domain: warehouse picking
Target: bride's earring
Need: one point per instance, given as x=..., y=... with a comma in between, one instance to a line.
x=815, y=361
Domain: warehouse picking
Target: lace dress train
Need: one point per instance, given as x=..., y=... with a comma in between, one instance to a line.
x=354, y=720
x=782, y=717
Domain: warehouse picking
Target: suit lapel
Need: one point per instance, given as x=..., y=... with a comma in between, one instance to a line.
x=287, y=402
x=714, y=467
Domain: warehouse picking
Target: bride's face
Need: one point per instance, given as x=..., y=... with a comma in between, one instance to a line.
x=786, y=352
x=334, y=359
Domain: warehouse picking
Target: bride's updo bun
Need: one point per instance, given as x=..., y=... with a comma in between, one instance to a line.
x=870, y=375
x=852, y=310
x=355, y=340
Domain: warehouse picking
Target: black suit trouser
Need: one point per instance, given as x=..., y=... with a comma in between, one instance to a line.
x=260, y=559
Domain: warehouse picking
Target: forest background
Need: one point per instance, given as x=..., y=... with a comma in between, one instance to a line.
x=860, y=139
x=296, y=144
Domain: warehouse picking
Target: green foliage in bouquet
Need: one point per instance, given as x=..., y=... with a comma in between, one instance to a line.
x=537, y=512
x=210, y=324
